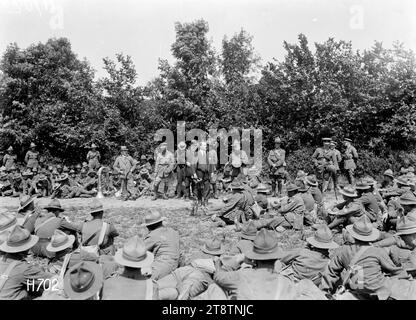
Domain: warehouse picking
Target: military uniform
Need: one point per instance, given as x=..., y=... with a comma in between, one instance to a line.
x=371, y=206
x=93, y=158
x=324, y=165
x=9, y=160
x=277, y=162
x=126, y=164
x=21, y=277
x=163, y=169
x=94, y=227
x=126, y=287
x=163, y=242
x=375, y=263
x=352, y=210
x=349, y=155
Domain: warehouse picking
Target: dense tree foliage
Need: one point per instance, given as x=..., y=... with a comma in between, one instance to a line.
x=48, y=95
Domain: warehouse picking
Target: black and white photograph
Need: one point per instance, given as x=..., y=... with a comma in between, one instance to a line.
x=201, y=150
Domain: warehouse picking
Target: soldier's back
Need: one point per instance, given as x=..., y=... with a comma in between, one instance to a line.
x=123, y=288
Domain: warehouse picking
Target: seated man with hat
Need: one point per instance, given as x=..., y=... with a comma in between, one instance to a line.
x=61, y=188
x=132, y=284
x=346, y=212
x=5, y=185
x=26, y=212
x=308, y=201
x=17, y=274
x=163, y=242
x=247, y=234
x=388, y=180
x=309, y=262
x=27, y=177
x=259, y=282
x=47, y=221
x=372, y=274
x=288, y=215
x=238, y=205
x=368, y=200
x=96, y=232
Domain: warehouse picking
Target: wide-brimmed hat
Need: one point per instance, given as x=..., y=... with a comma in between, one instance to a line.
x=134, y=254
x=407, y=199
x=311, y=180
x=262, y=188
x=213, y=247
x=62, y=177
x=19, y=240
x=326, y=140
x=153, y=217
x=60, y=241
x=83, y=280
x=25, y=200
x=292, y=187
x=363, y=230
x=264, y=247
x=54, y=205
x=349, y=191
x=7, y=220
x=143, y=157
x=277, y=140
x=236, y=185
x=389, y=173
x=322, y=238
x=72, y=171
x=347, y=139
x=93, y=146
x=32, y=145
x=10, y=148
x=362, y=185
x=123, y=148
x=4, y=235
x=333, y=143
x=406, y=224
x=402, y=180
x=96, y=207
x=249, y=230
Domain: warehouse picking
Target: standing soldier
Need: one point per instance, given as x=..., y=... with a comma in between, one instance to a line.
x=350, y=154
x=277, y=163
x=31, y=157
x=93, y=158
x=337, y=158
x=202, y=174
x=213, y=160
x=237, y=159
x=9, y=159
x=180, y=169
x=323, y=159
x=165, y=161
x=125, y=165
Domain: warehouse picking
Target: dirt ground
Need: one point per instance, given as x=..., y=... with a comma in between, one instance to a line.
x=194, y=230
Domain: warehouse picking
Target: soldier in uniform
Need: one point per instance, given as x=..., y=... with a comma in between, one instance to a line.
x=31, y=157
x=125, y=165
x=213, y=160
x=18, y=274
x=27, y=177
x=163, y=242
x=337, y=161
x=238, y=159
x=165, y=161
x=132, y=284
x=93, y=158
x=180, y=169
x=350, y=156
x=9, y=159
x=202, y=171
x=324, y=159
x=277, y=163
